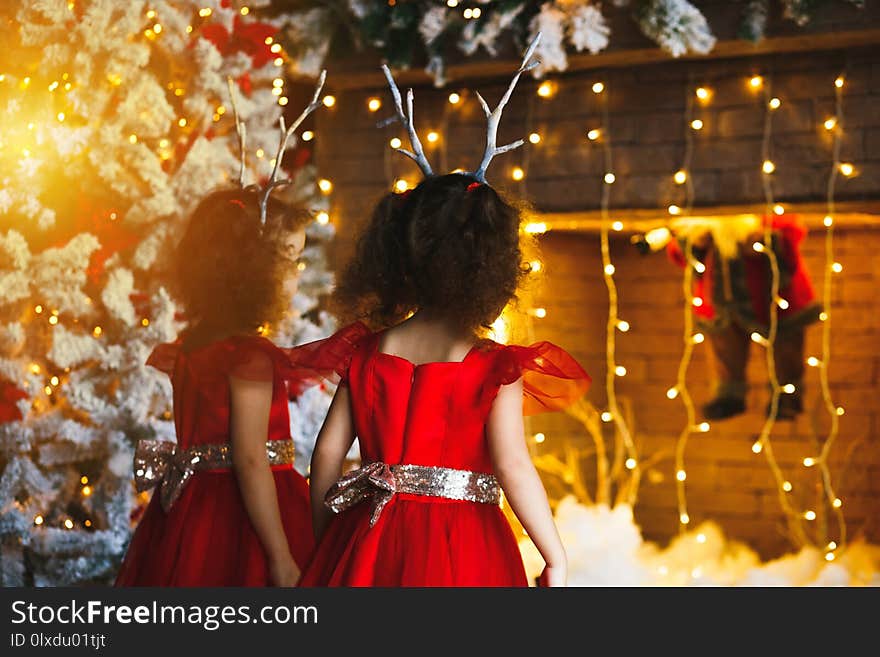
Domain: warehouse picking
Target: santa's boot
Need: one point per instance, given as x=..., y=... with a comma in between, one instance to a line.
x=729, y=401
x=789, y=357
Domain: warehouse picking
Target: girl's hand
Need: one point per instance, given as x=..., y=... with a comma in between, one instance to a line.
x=284, y=572
x=554, y=576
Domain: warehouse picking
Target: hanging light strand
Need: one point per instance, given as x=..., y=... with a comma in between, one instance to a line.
x=622, y=433
x=795, y=520
x=681, y=390
x=828, y=401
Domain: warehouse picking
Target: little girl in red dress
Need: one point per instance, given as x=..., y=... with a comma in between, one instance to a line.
x=228, y=507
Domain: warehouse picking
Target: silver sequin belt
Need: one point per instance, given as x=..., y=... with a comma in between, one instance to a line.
x=380, y=482
x=161, y=463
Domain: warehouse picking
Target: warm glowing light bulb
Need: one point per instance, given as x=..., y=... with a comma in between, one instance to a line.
x=832, y=545
x=395, y=142
x=630, y=464
x=545, y=90
x=758, y=246
x=823, y=317
x=697, y=124
x=323, y=218
x=329, y=101
x=697, y=301
x=534, y=138
x=672, y=393
x=86, y=491
x=782, y=303
x=704, y=427
x=244, y=11
x=837, y=503
x=684, y=518
x=54, y=380
x=593, y=134
x=839, y=410
x=702, y=93
x=38, y=520
x=536, y=227
x=68, y=523
x=540, y=437
x=847, y=169
x=83, y=480
x=680, y=177
x=517, y=173
x=829, y=556
x=756, y=81
x=620, y=370
x=401, y=185
x=205, y=12
x=830, y=123
x=454, y=98
x=617, y=226
x=674, y=209
x=775, y=103
x=373, y=104
x=698, y=338
x=699, y=267
x=535, y=266
x=757, y=337
x=812, y=361
x=789, y=388
x=181, y=122
x=701, y=538
x=607, y=417
x=778, y=209
x=278, y=61
x=38, y=309
x=53, y=320
x=433, y=137
x=308, y=135
x=276, y=48
x=540, y=313
x=810, y=515
x=809, y=462
x=609, y=178
x=97, y=331
x=836, y=267
x=757, y=447
x=132, y=139
x=145, y=322
x=681, y=475
x=786, y=486
x=839, y=82
x=768, y=167
x=609, y=269
x=325, y=185
x=828, y=221
x=623, y=325
x=598, y=87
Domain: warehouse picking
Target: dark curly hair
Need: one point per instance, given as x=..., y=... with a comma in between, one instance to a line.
x=227, y=272
x=449, y=246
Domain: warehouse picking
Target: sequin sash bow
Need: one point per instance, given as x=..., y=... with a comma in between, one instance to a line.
x=380, y=482
x=161, y=463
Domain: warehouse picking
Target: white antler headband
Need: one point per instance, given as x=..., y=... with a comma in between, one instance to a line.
x=264, y=192
x=493, y=118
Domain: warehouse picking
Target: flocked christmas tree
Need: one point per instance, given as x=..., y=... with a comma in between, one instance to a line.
x=116, y=123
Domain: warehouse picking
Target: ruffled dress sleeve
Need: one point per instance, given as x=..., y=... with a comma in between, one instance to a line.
x=164, y=356
x=327, y=359
x=552, y=378
x=254, y=359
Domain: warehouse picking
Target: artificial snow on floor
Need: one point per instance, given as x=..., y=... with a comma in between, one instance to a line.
x=605, y=548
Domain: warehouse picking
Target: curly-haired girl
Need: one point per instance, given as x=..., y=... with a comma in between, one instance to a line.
x=438, y=413
x=229, y=509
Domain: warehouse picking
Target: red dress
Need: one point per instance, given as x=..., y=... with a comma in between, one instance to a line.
x=433, y=414
x=206, y=538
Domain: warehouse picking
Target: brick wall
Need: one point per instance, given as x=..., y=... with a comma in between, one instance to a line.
x=726, y=481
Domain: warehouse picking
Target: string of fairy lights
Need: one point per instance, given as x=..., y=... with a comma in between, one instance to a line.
x=683, y=176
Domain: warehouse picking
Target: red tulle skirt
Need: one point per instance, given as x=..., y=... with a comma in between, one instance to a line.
x=207, y=539
x=418, y=541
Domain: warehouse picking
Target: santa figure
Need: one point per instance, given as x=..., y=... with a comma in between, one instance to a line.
x=733, y=295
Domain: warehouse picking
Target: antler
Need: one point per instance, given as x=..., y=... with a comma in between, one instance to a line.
x=494, y=116
x=282, y=145
x=417, y=154
x=241, y=129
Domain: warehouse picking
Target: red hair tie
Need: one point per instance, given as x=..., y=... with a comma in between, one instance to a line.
x=235, y=201
x=473, y=185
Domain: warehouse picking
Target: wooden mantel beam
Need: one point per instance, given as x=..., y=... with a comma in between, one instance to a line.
x=850, y=214
x=371, y=79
